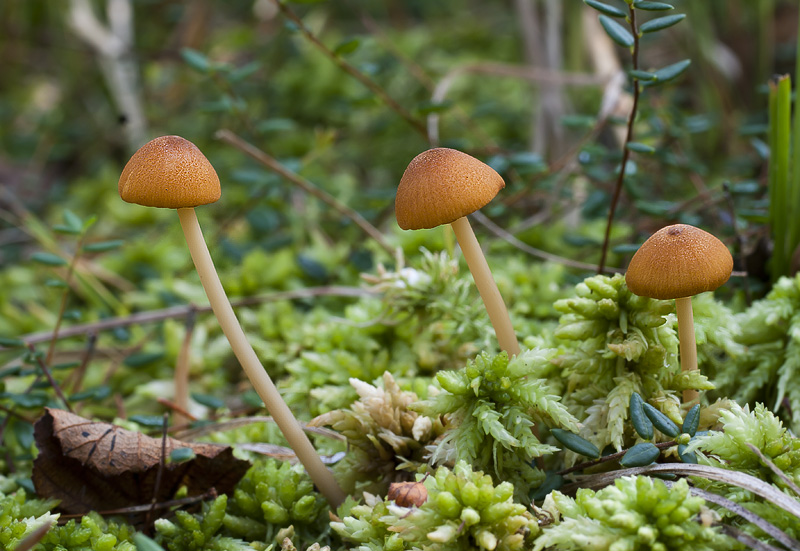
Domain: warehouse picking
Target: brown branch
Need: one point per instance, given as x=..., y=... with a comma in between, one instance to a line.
x=257, y=154
x=610, y=457
x=49, y=375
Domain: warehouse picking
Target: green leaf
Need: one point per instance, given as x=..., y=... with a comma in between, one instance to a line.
x=207, y=400
x=692, y=421
x=661, y=421
x=575, y=443
x=642, y=75
x=640, y=455
x=428, y=107
x=640, y=147
x=148, y=420
x=605, y=8
x=196, y=60
x=553, y=481
x=7, y=342
x=661, y=23
x=669, y=72
x=617, y=32
x=347, y=46
x=653, y=6
x=61, y=228
x=142, y=358
x=686, y=457
x=73, y=221
x=102, y=246
x=96, y=393
x=180, y=455
x=56, y=283
x=641, y=422
x=48, y=259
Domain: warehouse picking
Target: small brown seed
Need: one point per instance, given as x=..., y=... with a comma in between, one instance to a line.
x=408, y=494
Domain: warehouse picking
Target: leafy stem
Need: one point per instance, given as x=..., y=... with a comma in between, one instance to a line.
x=611, y=457
x=628, y=139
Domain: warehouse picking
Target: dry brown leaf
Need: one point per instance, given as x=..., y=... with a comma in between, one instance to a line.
x=99, y=466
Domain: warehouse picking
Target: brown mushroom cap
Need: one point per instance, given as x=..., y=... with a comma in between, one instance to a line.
x=679, y=261
x=169, y=172
x=440, y=186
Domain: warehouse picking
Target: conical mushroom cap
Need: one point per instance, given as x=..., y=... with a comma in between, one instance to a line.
x=169, y=172
x=679, y=261
x=440, y=186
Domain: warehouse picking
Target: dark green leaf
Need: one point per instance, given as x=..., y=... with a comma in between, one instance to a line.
x=640, y=455
x=11, y=343
x=430, y=107
x=55, y=283
x=653, y=6
x=689, y=457
x=207, y=400
x=347, y=46
x=96, y=393
x=641, y=422
x=103, y=246
x=617, y=32
x=642, y=75
x=179, y=455
x=625, y=248
x=142, y=358
x=73, y=221
x=605, y=8
x=148, y=420
x=640, y=147
x=661, y=421
x=64, y=365
x=692, y=421
x=61, y=228
x=196, y=60
x=575, y=443
x=48, y=259
x=552, y=481
x=661, y=23
x=30, y=400
x=669, y=72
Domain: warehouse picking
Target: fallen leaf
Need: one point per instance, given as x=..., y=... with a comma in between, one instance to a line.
x=99, y=466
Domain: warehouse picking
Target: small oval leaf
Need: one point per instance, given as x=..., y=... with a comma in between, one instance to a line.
x=7, y=342
x=575, y=443
x=692, y=421
x=73, y=221
x=552, y=481
x=605, y=8
x=640, y=147
x=617, y=32
x=642, y=75
x=686, y=457
x=143, y=543
x=661, y=421
x=641, y=422
x=653, y=6
x=347, y=46
x=102, y=246
x=640, y=455
x=180, y=455
x=661, y=23
x=49, y=259
x=196, y=60
x=671, y=71
x=207, y=400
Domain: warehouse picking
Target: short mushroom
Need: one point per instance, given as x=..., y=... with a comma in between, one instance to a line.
x=171, y=172
x=678, y=262
x=442, y=186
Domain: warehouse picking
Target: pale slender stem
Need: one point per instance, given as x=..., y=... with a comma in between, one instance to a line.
x=261, y=381
x=496, y=308
x=687, y=342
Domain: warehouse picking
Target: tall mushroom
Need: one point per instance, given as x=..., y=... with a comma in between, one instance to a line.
x=442, y=186
x=678, y=262
x=171, y=172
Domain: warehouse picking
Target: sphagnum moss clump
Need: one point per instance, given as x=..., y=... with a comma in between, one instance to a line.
x=634, y=513
x=465, y=511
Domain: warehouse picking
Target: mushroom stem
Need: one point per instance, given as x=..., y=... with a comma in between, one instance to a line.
x=260, y=379
x=688, y=344
x=496, y=308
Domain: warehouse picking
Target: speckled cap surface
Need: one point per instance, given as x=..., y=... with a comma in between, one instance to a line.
x=440, y=186
x=169, y=172
x=679, y=261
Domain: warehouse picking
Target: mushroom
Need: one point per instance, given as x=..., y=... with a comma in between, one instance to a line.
x=171, y=172
x=678, y=262
x=442, y=186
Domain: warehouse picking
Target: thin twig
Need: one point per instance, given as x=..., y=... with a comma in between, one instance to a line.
x=160, y=472
x=510, y=239
x=257, y=154
x=352, y=71
x=748, y=540
x=628, y=139
x=610, y=457
x=78, y=374
x=49, y=375
x=153, y=316
x=212, y=493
